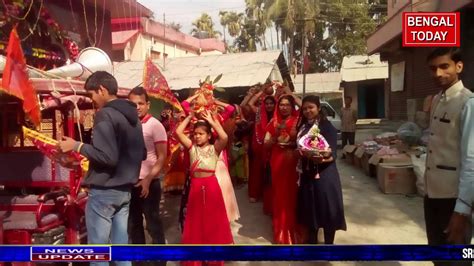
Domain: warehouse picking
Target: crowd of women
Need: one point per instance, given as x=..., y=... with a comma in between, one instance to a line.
x=255, y=143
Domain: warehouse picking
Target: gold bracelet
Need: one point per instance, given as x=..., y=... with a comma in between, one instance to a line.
x=79, y=147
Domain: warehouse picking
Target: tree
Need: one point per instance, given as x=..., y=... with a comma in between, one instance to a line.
x=378, y=10
x=203, y=27
x=347, y=24
x=224, y=21
x=291, y=17
x=175, y=26
x=248, y=38
x=333, y=28
x=232, y=21
x=257, y=12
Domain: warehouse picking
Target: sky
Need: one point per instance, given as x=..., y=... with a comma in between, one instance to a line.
x=185, y=12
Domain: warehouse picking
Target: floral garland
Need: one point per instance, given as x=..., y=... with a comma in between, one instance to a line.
x=10, y=16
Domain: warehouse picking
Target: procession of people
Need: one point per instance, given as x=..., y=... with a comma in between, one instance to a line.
x=282, y=146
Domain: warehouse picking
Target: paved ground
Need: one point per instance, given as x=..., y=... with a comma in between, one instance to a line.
x=372, y=217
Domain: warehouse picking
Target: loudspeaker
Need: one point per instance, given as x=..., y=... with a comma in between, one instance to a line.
x=89, y=60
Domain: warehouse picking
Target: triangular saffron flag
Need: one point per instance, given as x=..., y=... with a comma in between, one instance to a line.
x=155, y=84
x=15, y=80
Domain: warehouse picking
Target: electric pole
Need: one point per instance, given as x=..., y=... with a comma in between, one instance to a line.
x=292, y=33
x=164, y=42
x=303, y=55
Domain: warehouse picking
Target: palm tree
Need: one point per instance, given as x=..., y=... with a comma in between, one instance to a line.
x=256, y=11
x=234, y=22
x=287, y=14
x=224, y=21
x=204, y=26
x=277, y=11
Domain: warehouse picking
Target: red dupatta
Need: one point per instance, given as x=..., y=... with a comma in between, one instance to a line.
x=280, y=128
x=261, y=120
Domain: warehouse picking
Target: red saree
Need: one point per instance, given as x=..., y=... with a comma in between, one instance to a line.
x=283, y=163
x=258, y=158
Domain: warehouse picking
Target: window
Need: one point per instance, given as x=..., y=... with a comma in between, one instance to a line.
x=327, y=110
x=155, y=55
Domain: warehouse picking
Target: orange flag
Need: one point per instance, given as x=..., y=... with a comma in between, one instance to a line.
x=155, y=84
x=15, y=79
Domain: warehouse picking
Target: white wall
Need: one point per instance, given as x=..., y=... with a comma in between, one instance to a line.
x=144, y=43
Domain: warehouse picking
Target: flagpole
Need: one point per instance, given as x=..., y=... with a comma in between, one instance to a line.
x=303, y=55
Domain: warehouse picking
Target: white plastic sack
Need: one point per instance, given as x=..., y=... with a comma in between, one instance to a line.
x=419, y=165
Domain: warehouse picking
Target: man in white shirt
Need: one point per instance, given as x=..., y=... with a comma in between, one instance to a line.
x=443, y=162
x=348, y=123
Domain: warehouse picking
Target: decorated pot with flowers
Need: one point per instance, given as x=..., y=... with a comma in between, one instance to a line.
x=313, y=144
x=205, y=100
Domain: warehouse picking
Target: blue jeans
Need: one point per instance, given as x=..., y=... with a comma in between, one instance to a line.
x=107, y=218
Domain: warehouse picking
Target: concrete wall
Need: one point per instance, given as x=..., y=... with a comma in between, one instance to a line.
x=141, y=45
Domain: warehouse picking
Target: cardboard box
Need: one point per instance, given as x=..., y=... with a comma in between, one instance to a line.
x=396, y=178
x=349, y=153
x=376, y=159
x=401, y=147
x=358, y=154
x=369, y=169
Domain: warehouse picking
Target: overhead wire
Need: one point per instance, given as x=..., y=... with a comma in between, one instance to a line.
x=32, y=31
x=103, y=22
x=95, y=23
x=85, y=21
x=73, y=14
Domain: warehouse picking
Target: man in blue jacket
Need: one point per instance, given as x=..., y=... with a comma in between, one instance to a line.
x=115, y=157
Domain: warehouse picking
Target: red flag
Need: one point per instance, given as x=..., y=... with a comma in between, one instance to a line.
x=15, y=79
x=155, y=84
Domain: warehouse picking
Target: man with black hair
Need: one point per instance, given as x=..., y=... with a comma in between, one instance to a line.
x=146, y=195
x=115, y=157
x=443, y=161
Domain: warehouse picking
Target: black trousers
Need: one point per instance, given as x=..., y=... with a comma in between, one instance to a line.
x=347, y=138
x=437, y=215
x=329, y=235
x=150, y=208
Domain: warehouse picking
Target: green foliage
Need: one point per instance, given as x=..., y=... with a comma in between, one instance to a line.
x=203, y=27
x=334, y=28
